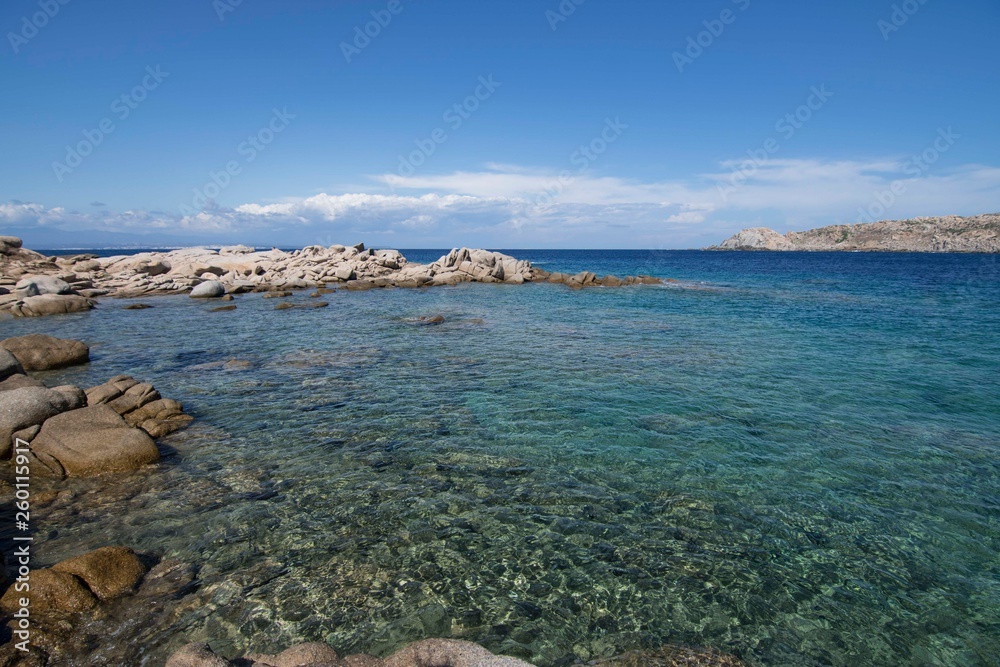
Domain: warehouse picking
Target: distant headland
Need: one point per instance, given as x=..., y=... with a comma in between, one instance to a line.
x=980, y=233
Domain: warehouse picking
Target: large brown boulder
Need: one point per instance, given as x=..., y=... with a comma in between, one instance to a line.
x=78, y=584
x=109, y=572
x=50, y=304
x=38, y=352
x=31, y=406
x=93, y=441
x=51, y=591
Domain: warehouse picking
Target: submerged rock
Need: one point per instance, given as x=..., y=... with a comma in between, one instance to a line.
x=672, y=656
x=590, y=279
x=427, y=653
x=298, y=656
x=197, y=655
x=429, y=320
x=51, y=592
x=79, y=584
x=109, y=572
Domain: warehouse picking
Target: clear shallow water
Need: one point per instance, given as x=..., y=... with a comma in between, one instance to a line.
x=793, y=458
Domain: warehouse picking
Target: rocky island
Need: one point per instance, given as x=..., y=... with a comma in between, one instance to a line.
x=32, y=284
x=979, y=233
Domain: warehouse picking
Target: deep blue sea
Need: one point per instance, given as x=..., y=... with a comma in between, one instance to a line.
x=791, y=457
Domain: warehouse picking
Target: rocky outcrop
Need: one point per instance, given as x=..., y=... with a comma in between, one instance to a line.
x=756, y=238
x=75, y=433
x=52, y=592
x=140, y=405
x=81, y=606
x=466, y=265
x=38, y=352
x=32, y=285
x=979, y=233
x=17, y=262
x=68, y=284
x=79, y=584
x=91, y=441
x=427, y=653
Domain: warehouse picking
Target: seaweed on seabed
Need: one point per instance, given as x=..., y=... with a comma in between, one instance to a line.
x=672, y=656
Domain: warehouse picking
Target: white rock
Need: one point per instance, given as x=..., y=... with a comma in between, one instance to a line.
x=36, y=285
x=210, y=289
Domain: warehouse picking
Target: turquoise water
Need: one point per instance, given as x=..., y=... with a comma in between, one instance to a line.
x=793, y=458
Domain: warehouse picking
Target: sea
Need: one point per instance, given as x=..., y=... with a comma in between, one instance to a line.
x=793, y=458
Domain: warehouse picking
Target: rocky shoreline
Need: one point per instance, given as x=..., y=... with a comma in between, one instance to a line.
x=32, y=284
x=67, y=431
x=976, y=234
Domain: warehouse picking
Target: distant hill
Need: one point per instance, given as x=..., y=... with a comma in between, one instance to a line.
x=980, y=233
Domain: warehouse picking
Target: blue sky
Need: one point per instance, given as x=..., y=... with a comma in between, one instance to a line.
x=527, y=123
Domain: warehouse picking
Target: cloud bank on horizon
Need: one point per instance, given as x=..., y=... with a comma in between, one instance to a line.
x=540, y=123
x=511, y=206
